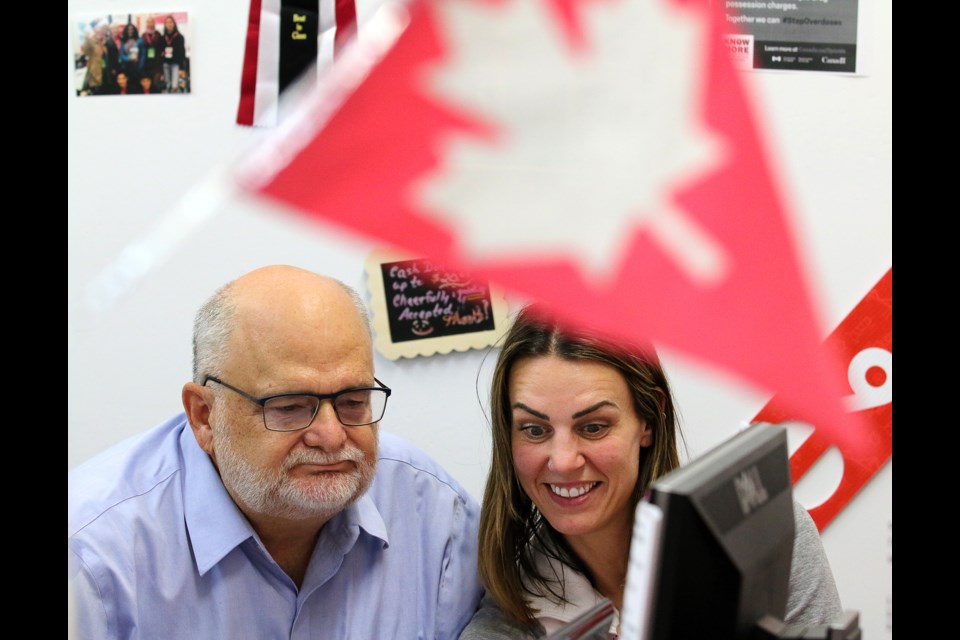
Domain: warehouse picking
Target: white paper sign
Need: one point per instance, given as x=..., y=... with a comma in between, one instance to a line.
x=637, y=612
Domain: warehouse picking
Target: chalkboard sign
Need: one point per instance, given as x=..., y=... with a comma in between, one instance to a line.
x=420, y=307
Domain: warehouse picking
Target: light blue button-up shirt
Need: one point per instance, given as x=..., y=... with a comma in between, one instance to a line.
x=157, y=549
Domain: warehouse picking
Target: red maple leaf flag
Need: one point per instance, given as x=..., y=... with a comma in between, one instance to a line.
x=597, y=155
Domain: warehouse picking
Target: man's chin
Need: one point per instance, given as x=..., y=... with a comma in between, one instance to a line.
x=310, y=499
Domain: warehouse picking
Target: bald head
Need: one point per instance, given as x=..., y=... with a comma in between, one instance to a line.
x=277, y=310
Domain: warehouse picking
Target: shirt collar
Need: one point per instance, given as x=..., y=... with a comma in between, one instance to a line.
x=217, y=526
x=579, y=592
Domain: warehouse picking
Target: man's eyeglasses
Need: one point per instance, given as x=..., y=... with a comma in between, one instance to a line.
x=296, y=411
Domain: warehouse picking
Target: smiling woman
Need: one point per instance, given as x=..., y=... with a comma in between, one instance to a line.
x=581, y=428
x=576, y=440
x=571, y=414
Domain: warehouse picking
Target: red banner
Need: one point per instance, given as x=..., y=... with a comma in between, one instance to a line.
x=865, y=340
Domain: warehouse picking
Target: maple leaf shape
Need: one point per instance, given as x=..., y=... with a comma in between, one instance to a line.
x=589, y=144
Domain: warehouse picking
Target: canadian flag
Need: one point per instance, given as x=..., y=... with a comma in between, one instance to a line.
x=597, y=155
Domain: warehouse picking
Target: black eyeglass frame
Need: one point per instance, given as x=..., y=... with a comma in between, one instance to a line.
x=319, y=396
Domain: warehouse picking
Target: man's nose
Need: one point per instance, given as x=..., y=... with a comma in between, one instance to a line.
x=326, y=431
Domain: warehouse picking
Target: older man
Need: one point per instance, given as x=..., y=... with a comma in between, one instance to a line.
x=272, y=507
x=150, y=60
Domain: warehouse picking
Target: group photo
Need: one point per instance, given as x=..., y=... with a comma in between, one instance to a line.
x=132, y=54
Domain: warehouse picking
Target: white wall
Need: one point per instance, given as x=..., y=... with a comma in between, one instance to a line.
x=131, y=160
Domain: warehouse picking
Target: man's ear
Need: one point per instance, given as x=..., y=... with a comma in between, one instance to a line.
x=196, y=404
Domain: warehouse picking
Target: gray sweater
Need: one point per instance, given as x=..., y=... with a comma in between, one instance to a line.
x=812, y=597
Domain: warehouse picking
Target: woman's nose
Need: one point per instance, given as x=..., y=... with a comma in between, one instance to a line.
x=565, y=455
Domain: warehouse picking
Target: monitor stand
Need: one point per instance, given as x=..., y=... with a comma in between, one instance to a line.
x=845, y=627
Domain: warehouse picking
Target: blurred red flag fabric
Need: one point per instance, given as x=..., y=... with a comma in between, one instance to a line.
x=597, y=155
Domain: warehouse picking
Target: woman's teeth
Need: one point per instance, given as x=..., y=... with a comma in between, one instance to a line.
x=572, y=492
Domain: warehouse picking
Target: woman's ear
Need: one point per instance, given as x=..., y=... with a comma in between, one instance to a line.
x=646, y=435
x=661, y=400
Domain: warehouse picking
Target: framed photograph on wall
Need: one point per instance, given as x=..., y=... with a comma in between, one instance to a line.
x=125, y=54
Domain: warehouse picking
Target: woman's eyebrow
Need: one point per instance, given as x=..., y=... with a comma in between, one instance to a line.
x=520, y=405
x=592, y=408
x=578, y=414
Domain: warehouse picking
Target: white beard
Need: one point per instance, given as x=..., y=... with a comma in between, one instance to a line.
x=274, y=493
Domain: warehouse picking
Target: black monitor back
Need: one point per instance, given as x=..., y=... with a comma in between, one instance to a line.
x=726, y=540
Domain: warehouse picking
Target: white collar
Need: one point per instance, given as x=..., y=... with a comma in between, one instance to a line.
x=577, y=589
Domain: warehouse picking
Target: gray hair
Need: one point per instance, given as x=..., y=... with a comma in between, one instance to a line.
x=211, y=331
x=213, y=325
x=360, y=305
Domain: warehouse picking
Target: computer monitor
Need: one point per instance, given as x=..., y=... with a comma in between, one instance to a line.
x=712, y=543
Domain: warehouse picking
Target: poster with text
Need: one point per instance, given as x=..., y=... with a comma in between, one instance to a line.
x=797, y=35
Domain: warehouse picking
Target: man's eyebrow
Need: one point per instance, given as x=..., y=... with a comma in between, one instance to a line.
x=520, y=405
x=592, y=408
